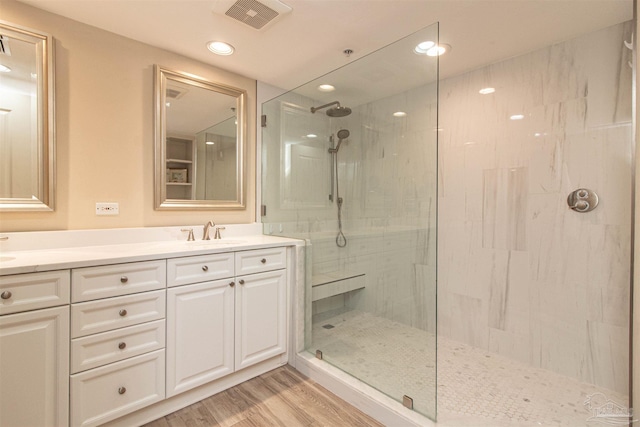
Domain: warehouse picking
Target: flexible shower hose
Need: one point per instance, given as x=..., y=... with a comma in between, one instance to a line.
x=341, y=240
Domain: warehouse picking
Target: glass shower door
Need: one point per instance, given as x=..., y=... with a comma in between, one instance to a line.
x=354, y=173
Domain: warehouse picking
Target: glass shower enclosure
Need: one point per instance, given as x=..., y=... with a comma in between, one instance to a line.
x=505, y=162
x=350, y=166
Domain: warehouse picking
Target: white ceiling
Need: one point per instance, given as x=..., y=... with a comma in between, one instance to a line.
x=309, y=41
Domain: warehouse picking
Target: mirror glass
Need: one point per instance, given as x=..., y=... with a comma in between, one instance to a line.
x=199, y=142
x=26, y=120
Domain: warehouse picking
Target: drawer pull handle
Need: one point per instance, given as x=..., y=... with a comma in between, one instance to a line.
x=124, y=279
x=122, y=345
x=6, y=295
x=205, y=268
x=122, y=312
x=263, y=260
x=241, y=282
x=122, y=390
x=232, y=284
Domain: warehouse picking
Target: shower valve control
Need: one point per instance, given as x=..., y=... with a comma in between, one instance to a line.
x=582, y=200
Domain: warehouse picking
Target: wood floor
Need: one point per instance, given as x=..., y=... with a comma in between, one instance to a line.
x=281, y=397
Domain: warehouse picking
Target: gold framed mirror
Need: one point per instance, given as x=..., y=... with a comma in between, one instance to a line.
x=199, y=143
x=27, y=126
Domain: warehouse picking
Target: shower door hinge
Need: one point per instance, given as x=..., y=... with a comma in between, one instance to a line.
x=263, y=210
x=407, y=401
x=263, y=120
x=318, y=354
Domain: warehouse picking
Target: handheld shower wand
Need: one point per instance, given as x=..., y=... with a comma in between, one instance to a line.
x=341, y=240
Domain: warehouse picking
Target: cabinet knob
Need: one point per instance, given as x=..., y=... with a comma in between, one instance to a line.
x=122, y=390
x=232, y=284
x=205, y=268
x=122, y=345
x=122, y=312
x=6, y=295
x=124, y=279
x=241, y=282
x=263, y=260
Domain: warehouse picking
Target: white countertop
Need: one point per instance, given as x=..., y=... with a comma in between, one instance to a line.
x=30, y=261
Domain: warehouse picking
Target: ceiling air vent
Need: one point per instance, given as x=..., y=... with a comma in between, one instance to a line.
x=256, y=14
x=173, y=93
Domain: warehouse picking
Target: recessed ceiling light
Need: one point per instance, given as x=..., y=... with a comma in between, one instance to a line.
x=168, y=104
x=312, y=135
x=220, y=48
x=487, y=90
x=210, y=143
x=399, y=114
x=517, y=117
x=34, y=76
x=326, y=88
x=4, y=69
x=423, y=47
x=438, y=50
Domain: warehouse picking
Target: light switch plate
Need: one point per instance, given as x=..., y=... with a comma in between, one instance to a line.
x=107, y=209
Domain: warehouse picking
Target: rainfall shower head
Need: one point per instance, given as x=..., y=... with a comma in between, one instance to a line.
x=336, y=111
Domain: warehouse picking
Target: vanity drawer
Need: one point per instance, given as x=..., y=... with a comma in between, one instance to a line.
x=113, y=346
x=113, y=313
x=260, y=260
x=103, y=394
x=114, y=280
x=23, y=292
x=195, y=269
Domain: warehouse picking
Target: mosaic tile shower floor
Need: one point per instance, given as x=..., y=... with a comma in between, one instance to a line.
x=475, y=387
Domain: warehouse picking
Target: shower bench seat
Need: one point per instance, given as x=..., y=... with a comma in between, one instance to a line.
x=335, y=283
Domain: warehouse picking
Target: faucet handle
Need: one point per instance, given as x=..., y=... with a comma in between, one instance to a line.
x=190, y=238
x=217, y=235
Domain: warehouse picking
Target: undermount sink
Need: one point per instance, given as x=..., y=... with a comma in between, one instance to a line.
x=220, y=242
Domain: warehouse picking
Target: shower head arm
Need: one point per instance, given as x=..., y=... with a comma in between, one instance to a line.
x=314, y=109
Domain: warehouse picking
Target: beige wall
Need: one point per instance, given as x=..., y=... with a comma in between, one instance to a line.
x=104, y=120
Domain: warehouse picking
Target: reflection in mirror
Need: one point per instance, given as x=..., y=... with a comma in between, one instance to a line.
x=26, y=120
x=199, y=143
x=216, y=166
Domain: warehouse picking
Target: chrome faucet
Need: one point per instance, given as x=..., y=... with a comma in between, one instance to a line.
x=207, y=227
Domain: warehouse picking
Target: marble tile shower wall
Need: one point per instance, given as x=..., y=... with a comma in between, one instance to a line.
x=519, y=273
x=387, y=175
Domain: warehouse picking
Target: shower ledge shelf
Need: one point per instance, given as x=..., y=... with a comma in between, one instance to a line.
x=335, y=283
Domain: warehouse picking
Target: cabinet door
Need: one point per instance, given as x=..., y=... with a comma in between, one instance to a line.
x=199, y=334
x=260, y=317
x=34, y=368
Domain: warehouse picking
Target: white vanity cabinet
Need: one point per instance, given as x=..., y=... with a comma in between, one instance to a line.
x=34, y=349
x=216, y=327
x=117, y=340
